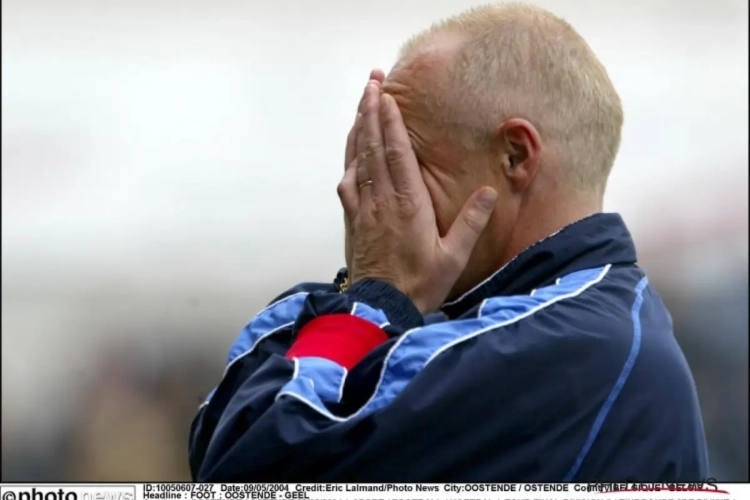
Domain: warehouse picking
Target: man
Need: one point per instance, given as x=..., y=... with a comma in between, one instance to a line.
x=474, y=180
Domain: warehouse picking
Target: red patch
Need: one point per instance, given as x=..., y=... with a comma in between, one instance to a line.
x=341, y=338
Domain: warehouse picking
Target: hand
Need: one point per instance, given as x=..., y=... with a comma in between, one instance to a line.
x=350, y=157
x=393, y=231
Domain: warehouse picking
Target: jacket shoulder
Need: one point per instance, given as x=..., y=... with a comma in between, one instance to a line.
x=588, y=305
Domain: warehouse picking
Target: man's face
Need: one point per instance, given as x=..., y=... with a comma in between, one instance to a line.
x=451, y=172
x=439, y=160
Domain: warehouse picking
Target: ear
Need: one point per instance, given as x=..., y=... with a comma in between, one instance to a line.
x=520, y=150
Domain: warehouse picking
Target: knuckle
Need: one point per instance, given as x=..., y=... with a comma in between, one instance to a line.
x=372, y=147
x=362, y=158
x=394, y=154
x=474, y=220
x=341, y=190
x=379, y=206
x=405, y=205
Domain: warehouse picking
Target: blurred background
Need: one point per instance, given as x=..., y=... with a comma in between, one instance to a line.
x=170, y=166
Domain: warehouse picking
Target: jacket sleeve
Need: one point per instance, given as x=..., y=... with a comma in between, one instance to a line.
x=268, y=333
x=283, y=386
x=452, y=401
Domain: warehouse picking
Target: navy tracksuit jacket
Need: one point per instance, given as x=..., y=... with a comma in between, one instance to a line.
x=562, y=366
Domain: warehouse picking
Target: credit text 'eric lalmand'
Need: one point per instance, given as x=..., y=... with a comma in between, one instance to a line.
x=491, y=324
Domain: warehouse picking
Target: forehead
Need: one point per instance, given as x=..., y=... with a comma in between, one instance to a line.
x=415, y=82
x=423, y=64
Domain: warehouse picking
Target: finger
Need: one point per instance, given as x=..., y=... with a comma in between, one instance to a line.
x=402, y=162
x=378, y=75
x=349, y=193
x=351, y=142
x=469, y=225
x=372, y=81
x=371, y=163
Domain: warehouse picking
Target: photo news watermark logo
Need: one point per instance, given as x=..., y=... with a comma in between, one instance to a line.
x=78, y=492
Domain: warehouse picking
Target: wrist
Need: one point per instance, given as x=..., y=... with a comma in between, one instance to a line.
x=379, y=294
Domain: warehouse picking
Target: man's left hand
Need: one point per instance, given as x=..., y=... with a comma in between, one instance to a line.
x=392, y=227
x=350, y=157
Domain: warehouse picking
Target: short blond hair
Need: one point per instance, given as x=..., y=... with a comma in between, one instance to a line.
x=518, y=60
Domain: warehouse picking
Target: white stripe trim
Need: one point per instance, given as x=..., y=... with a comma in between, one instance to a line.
x=323, y=411
x=481, y=306
x=274, y=304
x=259, y=339
x=469, y=336
x=462, y=297
x=480, y=285
x=312, y=405
x=267, y=334
x=295, y=373
x=447, y=346
x=528, y=313
x=343, y=383
x=257, y=342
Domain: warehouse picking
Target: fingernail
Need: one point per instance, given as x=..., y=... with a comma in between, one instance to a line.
x=487, y=198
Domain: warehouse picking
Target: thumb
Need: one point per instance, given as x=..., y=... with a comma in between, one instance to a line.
x=469, y=225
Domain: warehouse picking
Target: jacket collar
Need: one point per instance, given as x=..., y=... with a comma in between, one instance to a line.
x=595, y=241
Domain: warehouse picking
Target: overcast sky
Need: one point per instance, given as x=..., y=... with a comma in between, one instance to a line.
x=166, y=134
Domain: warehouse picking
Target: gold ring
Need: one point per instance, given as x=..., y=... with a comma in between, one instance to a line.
x=364, y=184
